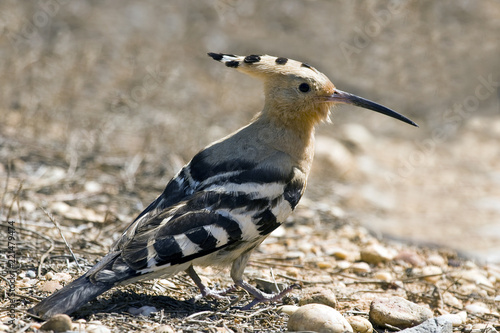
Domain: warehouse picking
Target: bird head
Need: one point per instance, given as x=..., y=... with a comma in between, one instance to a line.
x=296, y=93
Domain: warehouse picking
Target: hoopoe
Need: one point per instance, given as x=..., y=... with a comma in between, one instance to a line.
x=230, y=196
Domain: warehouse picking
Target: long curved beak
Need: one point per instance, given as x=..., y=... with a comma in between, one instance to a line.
x=340, y=96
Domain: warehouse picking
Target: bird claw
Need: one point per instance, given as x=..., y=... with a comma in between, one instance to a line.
x=216, y=294
x=261, y=297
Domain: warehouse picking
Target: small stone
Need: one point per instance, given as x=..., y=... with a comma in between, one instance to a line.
x=31, y=274
x=451, y=300
x=324, y=264
x=375, y=253
x=49, y=276
x=167, y=283
x=360, y=324
x=62, y=277
x=434, y=325
x=292, y=271
x=291, y=255
x=432, y=274
x=50, y=286
x=384, y=276
x=474, y=276
x=338, y=253
x=410, y=257
x=318, y=295
x=456, y=319
x=361, y=267
x=58, y=323
x=493, y=272
x=97, y=329
x=397, y=311
x=477, y=308
x=93, y=186
x=164, y=329
x=344, y=264
x=436, y=260
x=318, y=318
x=288, y=309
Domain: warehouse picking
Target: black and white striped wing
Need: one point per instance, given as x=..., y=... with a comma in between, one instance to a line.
x=230, y=212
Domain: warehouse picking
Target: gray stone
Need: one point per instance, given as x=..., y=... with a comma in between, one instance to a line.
x=434, y=325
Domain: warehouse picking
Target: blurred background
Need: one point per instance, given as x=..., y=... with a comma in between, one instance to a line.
x=102, y=102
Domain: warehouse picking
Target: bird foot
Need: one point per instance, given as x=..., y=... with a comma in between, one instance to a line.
x=262, y=297
x=215, y=294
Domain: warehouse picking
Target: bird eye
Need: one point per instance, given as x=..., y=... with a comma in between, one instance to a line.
x=304, y=87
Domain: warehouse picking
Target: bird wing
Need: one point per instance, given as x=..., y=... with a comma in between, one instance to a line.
x=220, y=206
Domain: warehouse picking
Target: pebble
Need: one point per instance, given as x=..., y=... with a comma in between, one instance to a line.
x=384, y=276
x=451, y=300
x=62, y=277
x=97, y=329
x=375, y=253
x=436, y=260
x=432, y=274
x=50, y=286
x=324, y=264
x=318, y=318
x=474, y=276
x=142, y=311
x=493, y=272
x=164, y=329
x=49, y=275
x=318, y=295
x=93, y=186
x=434, y=325
x=31, y=274
x=361, y=267
x=456, y=319
x=292, y=255
x=167, y=283
x=288, y=309
x=338, y=253
x=397, y=311
x=344, y=264
x=360, y=324
x=58, y=323
x=477, y=308
x=411, y=257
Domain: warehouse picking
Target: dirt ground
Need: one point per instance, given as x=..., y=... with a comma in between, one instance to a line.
x=101, y=103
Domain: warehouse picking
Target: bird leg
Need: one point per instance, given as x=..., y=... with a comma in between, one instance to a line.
x=259, y=296
x=205, y=291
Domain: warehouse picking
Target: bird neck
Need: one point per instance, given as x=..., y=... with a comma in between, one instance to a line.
x=293, y=138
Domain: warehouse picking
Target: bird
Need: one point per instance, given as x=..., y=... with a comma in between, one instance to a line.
x=222, y=204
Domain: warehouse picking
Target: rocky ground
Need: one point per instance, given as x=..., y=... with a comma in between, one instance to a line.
x=102, y=102
x=335, y=262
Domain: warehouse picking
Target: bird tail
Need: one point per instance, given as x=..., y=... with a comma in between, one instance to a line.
x=70, y=298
